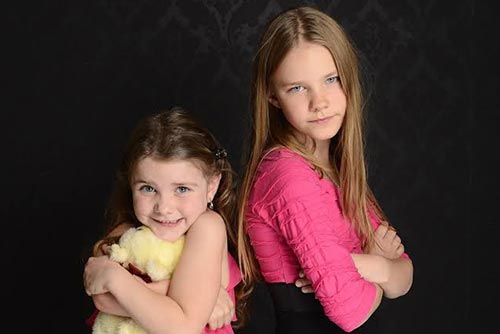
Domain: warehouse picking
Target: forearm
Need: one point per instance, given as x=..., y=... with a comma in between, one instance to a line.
x=106, y=302
x=154, y=312
x=400, y=278
x=394, y=276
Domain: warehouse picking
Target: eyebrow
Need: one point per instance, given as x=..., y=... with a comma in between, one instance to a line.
x=176, y=184
x=298, y=83
x=142, y=181
x=331, y=74
x=191, y=184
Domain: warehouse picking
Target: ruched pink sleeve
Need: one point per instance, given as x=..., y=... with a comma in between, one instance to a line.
x=290, y=199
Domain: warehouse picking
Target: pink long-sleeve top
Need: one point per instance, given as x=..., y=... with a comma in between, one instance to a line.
x=294, y=221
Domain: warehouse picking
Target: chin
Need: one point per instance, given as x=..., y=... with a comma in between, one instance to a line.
x=170, y=238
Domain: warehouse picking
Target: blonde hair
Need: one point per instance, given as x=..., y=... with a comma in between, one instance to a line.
x=271, y=129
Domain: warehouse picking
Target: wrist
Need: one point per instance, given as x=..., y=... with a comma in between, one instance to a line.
x=114, y=277
x=385, y=265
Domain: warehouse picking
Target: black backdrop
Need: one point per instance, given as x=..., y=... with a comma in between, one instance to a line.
x=80, y=74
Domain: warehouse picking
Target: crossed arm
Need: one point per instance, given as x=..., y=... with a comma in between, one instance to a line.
x=383, y=265
x=191, y=294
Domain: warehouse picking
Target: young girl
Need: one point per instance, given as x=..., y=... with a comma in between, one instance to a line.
x=305, y=205
x=176, y=180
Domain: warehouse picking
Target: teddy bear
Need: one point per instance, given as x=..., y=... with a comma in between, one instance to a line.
x=143, y=254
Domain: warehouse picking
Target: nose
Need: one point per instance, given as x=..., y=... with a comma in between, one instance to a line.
x=163, y=205
x=318, y=99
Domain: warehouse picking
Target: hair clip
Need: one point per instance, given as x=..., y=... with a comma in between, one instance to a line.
x=220, y=153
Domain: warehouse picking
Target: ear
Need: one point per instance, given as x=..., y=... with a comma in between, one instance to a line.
x=271, y=98
x=213, y=186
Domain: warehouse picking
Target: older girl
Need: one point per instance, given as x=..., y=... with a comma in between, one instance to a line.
x=305, y=202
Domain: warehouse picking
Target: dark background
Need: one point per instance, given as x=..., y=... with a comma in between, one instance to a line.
x=78, y=75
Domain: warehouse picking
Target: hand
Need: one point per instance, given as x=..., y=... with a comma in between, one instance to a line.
x=223, y=311
x=97, y=273
x=303, y=283
x=387, y=243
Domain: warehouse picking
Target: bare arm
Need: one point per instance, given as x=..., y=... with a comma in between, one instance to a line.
x=222, y=313
x=395, y=276
x=106, y=302
x=384, y=264
x=193, y=289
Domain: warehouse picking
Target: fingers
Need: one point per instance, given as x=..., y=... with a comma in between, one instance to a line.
x=300, y=282
x=221, y=316
x=400, y=250
x=223, y=311
x=229, y=317
x=307, y=289
x=106, y=249
x=385, y=232
x=390, y=235
x=381, y=231
x=213, y=325
x=85, y=280
x=304, y=284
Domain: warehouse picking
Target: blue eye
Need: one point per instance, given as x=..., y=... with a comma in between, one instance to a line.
x=296, y=89
x=182, y=189
x=332, y=80
x=147, y=189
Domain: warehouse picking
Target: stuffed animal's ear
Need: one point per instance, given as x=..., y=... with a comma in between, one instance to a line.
x=128, y=234
x=118, y=254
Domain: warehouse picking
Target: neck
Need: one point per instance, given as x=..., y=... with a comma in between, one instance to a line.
x=322, y=152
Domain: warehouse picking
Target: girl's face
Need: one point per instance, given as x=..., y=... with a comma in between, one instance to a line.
x=170, y=195
x=307, y=89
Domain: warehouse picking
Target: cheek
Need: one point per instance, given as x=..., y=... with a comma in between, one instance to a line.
x=291, y=109
x=294, y=101
x=140, y=204
x=198, y=205
x=293, y=117
x=340, y=100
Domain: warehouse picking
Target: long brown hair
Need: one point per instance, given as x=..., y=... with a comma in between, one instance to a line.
x=171, y=134
x=270, y=128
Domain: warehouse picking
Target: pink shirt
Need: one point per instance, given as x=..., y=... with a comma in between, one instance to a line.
x=294, y=221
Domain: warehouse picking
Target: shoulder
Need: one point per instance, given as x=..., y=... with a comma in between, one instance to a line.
x=282, y=156
x=284, y=177
x=282, y=168
x=283, y=163
x=209, y=224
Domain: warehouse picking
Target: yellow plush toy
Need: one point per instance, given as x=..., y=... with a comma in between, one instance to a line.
x=139, y=249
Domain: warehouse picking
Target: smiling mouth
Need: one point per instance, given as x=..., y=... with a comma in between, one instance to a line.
x=168, y=222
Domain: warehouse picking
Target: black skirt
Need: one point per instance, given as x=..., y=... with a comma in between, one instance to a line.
x=301, y=313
